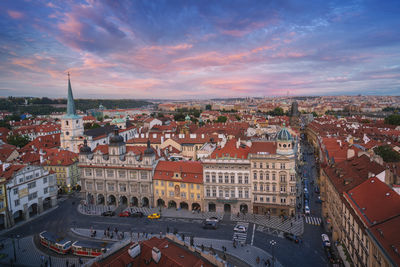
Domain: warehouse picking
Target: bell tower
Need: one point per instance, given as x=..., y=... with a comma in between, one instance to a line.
x=71, y=125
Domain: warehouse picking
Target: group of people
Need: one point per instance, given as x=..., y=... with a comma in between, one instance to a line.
x=110, y=234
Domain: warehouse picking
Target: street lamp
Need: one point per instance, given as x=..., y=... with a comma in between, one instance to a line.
x=272, y=243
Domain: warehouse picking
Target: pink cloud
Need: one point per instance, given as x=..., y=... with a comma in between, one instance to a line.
x=15, y=14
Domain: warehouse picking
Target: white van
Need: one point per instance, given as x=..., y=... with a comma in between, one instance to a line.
x=325, y=240
x=307, y=210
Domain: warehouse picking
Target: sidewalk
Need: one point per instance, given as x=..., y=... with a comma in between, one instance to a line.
x=27, y=221
x=246, y=253
x=28, y=255
x=94, y=209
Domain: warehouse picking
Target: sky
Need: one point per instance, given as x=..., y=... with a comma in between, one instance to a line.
x=199, y=49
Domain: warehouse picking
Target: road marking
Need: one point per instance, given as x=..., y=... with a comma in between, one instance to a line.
x=129, y=224
x=252, y=238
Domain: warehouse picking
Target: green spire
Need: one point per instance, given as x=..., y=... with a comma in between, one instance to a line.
x=70, y=102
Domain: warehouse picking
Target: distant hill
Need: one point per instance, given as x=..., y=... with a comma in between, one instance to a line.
x=44, y=105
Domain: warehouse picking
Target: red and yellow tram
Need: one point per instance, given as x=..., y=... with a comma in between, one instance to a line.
x=57, y=244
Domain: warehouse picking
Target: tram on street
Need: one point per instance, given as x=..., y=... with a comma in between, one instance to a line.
x=58, y=244
x=89, y=249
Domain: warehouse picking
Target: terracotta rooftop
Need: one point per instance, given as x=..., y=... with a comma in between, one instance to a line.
x=190, y=171
x=230, y=150
x=171, y=255
x=263, y=147
x=374, y=201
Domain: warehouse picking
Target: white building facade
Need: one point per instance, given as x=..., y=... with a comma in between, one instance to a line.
x=30, y=190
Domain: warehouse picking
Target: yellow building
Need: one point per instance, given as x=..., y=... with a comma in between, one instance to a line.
x=65, y=164
x=3, y=204
x=178, y=184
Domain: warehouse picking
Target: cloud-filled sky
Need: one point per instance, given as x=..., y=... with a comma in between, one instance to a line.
x=199, y=49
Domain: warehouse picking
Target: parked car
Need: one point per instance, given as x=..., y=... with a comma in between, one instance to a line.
x=291, y=237
x=325, y=240
x=124, y=214
x=108, y=213
x=154, y=216
x=137, y=214
x=210, y=224
x=316, y=190
x=298, y=206
x=240, y=228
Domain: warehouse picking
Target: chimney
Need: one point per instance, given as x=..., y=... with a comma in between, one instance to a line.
x=202, y=136
x=5, y=166
x=162, y=139
x=156, y=254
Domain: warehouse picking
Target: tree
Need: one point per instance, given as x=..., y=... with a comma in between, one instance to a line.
x=276, y=112
x=314, y=114
x=393, y=119
x=387, y=153
x=18, y=140
x=5, y=124
x=208, y=107
x=179, y=117
x=222, y=119
x=89, y=125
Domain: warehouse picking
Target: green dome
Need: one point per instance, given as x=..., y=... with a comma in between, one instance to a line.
x=284, y=135
x=187, y=118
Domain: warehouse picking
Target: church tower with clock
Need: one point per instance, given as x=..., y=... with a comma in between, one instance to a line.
x=71, y=125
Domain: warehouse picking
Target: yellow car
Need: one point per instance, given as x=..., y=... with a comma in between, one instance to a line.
x=154, y=216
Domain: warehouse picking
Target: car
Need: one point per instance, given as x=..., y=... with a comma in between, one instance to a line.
x=325, y=240
x=240, y=228
x=318, y=200
x=307, y=210
x=298, y=206
x=137, y=214
x=124, y=214
x=291, y=237
x=212, y=219
x=108, y=213
x=154, y=216
x=210, y=224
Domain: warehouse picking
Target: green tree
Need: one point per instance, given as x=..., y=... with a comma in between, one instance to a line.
x=277, y=112
x=222, y=119
x=5, y=124
x=314, y=114
x=387, y=153
x=393, y=119
x=179, y=117
x=208, y=107
x=18, y=140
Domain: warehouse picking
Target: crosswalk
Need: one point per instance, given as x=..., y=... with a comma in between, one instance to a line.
x=239, y=236
x=313, y=220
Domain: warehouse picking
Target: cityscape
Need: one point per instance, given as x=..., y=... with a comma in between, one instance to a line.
x=196, y=133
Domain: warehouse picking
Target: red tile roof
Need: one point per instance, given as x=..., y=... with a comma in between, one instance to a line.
x=190, y=171
x=262, y=147
x=231, y=151
x=171, y=255
x=388, y=235
x=8, y=172
x=374, y=201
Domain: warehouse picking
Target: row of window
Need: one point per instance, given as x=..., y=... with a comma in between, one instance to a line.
x=29, y=176
x=267, y=165
x=122, y=187
x=268, y=188
x=282, y=177
x=227, y=178
x=120, y=174
x=273, y=199
x=172, y=194
x=227, y=193
x=30, y=186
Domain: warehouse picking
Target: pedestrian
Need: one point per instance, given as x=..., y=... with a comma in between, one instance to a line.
x=105, y=232
x=80, y=260
x=291, y=224
x=258, y=260
x=67, y=263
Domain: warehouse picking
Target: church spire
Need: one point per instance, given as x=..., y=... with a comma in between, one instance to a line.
x=70, y=102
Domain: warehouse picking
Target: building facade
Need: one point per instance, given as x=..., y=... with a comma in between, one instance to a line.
x=115, y=174
x=30, y=189
x=178, y=184
x=273, y=175
x=226, y=175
